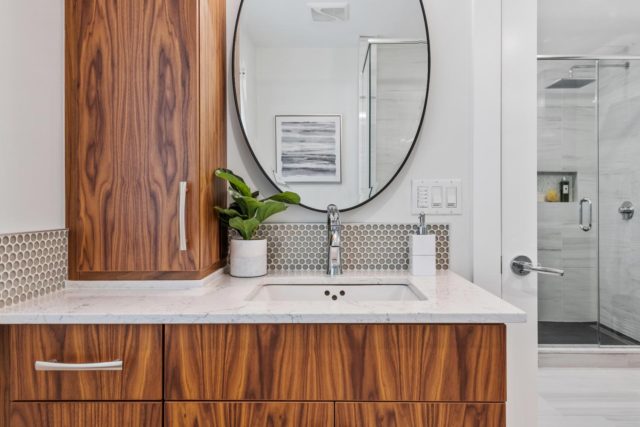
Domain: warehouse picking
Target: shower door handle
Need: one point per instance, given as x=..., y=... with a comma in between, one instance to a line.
x=582, y=225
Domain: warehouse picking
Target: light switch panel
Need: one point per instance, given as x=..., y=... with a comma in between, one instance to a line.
x=436, y=196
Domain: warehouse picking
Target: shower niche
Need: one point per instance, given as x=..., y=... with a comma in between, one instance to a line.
x=550, y=186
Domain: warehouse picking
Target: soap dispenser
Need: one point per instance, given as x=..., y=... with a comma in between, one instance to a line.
x=422, y=251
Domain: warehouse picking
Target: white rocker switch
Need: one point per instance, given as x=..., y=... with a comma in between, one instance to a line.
x=452, y=197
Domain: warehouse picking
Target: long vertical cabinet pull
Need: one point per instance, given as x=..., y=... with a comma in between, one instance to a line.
x=182, y=215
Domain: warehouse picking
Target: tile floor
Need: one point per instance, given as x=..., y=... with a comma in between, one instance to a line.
x=589, y=397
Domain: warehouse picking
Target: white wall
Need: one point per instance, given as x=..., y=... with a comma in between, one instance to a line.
x=31, y=115
x=588, y=26
x=444, y=149
x=313, y=81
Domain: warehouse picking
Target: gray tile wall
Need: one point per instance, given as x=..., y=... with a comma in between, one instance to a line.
x=31, y=265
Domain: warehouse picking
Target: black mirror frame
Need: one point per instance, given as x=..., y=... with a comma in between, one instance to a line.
x=246, y=139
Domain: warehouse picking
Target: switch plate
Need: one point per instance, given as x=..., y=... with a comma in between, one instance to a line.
x=436, y=196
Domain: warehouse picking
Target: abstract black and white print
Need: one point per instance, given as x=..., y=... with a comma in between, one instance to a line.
x=308, y=148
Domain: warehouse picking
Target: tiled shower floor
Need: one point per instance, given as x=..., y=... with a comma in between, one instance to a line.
x=579, y=333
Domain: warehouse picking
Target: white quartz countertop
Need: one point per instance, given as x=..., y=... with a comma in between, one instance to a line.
x=223, y=299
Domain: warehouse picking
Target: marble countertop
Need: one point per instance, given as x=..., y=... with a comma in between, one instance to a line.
x=223, y=299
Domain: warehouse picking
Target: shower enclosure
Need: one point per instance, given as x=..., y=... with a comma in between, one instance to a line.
x=393, y=81
x=588, y=188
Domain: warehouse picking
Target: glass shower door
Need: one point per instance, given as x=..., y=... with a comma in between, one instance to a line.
x=568, y=201
x=619, y=175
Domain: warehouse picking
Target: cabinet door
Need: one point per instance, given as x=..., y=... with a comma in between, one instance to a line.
x=420, y=415
x=132, y=134
x=445, y=363
x=280, y=414
x=86, y=414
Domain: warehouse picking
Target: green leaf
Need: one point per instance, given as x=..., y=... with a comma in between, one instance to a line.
x=228, y=212
x=246, y=227
x=249, y=205
x=287, y=197
x=234, y=181
x=268, y=209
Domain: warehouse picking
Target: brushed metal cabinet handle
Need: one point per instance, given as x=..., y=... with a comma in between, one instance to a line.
x=54, y=365
x=182, y=216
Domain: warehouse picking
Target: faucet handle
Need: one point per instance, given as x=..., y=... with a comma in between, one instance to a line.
x=333, y=215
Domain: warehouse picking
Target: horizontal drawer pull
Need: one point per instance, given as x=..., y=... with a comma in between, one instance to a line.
x=54, y=365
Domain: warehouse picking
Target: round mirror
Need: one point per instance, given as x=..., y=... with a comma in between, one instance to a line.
x=331, y=94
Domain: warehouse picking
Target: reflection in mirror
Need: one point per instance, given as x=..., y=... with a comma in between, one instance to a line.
x=331, y=96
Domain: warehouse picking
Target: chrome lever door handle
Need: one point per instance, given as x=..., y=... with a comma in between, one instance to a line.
x=522, y=266
x=587, y=227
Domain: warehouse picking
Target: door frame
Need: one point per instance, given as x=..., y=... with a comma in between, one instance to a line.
x=504, y=180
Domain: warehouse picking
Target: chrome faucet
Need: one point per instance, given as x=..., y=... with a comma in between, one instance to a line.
x=334, y=234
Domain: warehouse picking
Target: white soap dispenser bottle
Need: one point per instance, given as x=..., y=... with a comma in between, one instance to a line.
x=422, y=251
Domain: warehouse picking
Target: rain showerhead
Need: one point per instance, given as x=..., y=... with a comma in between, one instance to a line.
x=570, y=83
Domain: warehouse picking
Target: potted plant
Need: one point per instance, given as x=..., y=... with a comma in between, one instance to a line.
x=248, y=256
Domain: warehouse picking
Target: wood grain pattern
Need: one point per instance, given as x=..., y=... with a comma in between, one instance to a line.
x=86, y=414
x=213, y=128
x=5, y=369
x=336, y=362
x=134, y=128
x=138, y=346
x=281, y=414
x=151, y=275
x=420, y=414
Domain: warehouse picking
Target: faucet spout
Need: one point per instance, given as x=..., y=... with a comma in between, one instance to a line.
x=334, y=235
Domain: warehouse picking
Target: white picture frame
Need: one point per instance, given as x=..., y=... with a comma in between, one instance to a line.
x=308, y=148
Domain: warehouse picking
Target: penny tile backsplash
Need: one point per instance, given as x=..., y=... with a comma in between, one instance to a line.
x=293, y=247
x=31, y=265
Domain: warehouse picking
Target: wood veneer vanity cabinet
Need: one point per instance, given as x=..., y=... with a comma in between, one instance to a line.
x=256, y=376
x=145, y=112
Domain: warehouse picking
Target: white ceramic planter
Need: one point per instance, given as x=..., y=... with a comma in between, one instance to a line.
x=248, y=258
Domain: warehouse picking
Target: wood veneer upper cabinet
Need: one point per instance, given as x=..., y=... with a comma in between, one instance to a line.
x=145, y=94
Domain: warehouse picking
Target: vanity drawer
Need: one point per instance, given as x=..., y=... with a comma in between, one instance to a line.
x=255, y=414
x=125, y=362
x=453, y=363
x=115, y=414
x=420, y=414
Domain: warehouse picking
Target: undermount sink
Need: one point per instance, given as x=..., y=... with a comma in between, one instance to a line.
x=341, y=292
